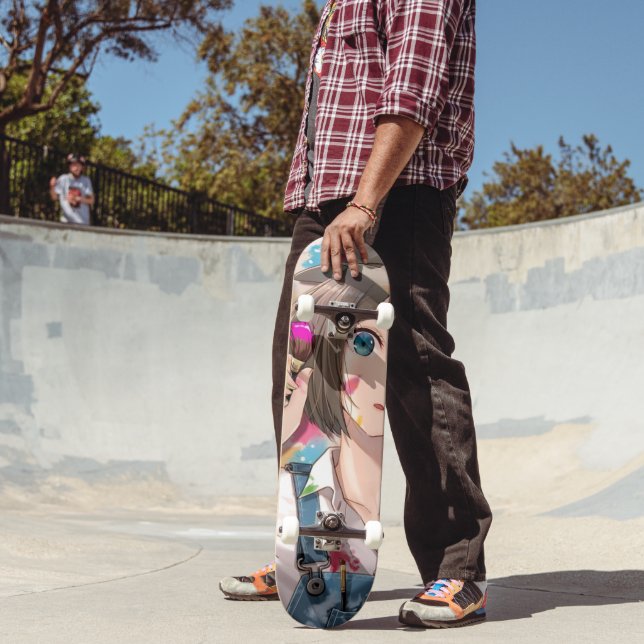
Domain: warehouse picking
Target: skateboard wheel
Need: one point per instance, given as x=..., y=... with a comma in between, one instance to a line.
x=305, y=307
x=385, y=316
x=290, y=530
x=373, y=534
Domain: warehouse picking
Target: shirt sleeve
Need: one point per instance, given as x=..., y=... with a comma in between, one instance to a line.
x=59, y=188
x=88, y=191
x=420, y=34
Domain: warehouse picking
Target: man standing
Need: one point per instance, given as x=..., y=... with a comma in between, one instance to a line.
x=74, y=192
x=388, y=126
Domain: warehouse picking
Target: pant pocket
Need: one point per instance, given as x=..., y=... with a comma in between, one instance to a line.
x=448, y=210
x=337, y=617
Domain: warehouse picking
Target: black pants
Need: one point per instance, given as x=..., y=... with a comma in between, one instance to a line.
x=428, y=397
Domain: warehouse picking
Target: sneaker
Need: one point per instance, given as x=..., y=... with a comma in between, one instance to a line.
x=446, y=603
x=260, y=586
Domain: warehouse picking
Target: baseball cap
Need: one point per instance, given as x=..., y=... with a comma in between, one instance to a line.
x=72, y=157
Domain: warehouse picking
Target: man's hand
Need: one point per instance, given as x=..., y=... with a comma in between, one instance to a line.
x=341, y=238
x=396, y=139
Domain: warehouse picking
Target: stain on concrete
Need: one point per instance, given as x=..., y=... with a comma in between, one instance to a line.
x=244, y=268
x=522, y=427
x=22, y=471
x=616, y=276
x=129, y=269
x=265, y=449
x=15, y=253
x=9, y=426
x=622, y=501
x=16, y=388
x=173, y=275
x=101, y=260
x=54, y=329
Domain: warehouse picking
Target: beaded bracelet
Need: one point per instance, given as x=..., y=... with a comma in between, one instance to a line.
x=369, y=211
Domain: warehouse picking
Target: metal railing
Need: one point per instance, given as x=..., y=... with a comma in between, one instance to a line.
x=122, y=200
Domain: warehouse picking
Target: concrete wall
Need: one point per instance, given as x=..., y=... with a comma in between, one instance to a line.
x=130, y=356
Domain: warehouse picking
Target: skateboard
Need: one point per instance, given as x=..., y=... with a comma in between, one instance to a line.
x=328, y=530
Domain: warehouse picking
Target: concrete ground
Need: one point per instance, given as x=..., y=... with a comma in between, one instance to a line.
x=69, y=576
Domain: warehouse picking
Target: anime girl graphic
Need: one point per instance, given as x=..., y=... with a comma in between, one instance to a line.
x=332, y=434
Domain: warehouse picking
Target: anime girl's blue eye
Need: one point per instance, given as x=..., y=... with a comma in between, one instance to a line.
x=363, y=343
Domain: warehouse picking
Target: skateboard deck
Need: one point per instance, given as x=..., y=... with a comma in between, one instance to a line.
x=328, y=530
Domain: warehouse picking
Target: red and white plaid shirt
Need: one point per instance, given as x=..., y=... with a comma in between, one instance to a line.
x=412, y=58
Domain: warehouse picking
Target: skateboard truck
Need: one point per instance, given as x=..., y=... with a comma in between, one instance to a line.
x=332, y=522
x=329, y=531
x=343, y=315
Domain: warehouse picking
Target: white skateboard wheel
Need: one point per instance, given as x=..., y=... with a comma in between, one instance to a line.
x=305, y=307
x=290, y=530
x=385, y=316
x=373, y=534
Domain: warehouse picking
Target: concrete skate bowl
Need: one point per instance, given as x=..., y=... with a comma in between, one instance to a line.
x=135, y=368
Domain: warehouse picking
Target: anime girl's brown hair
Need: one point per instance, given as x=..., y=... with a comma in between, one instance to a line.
x=323, y=404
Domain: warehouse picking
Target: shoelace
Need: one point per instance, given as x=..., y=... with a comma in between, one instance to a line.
x=441, y=588
x=264, y=570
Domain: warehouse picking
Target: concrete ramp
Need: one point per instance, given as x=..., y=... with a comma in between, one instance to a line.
x=549, y=320
x=135, y=368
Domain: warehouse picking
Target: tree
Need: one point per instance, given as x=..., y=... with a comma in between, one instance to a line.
x=235, y=140
x=117, y=153
x=529, y=186
x=71, y=124
x=51, y=43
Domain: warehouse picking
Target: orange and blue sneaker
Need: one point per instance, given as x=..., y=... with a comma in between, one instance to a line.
x=260, y=586
x=446, y=603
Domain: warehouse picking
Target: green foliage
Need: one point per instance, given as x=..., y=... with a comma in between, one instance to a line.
x=530, y=186
x=117, y=153
x=235, y=140
x=71, y=124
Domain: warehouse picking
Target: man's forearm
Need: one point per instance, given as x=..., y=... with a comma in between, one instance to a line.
x=396, y=139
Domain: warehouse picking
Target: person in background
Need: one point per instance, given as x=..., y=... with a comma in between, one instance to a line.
x=73, y=191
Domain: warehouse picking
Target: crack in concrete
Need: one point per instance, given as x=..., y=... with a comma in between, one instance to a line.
x=107, y=581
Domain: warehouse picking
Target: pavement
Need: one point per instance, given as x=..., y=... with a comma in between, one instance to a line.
x=128, y=359
x=152, y=577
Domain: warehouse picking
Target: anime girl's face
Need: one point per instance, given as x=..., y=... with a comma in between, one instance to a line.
x=363, y=384
x=337, y=402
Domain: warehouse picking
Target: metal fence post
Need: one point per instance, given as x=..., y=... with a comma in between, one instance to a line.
x=5, y=169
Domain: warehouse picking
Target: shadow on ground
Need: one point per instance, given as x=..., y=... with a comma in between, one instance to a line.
x=521, y=596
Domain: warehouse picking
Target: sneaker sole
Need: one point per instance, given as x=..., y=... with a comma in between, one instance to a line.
x=249, y=598
x=410, y=618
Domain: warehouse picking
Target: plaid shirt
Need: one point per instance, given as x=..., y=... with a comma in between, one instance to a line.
x=412, y=58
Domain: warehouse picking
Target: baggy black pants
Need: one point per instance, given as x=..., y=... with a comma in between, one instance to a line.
x=428, y=399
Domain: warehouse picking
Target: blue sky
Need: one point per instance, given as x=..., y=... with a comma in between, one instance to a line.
x=544, y=69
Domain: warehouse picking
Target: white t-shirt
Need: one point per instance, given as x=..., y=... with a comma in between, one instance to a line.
x=68, y=184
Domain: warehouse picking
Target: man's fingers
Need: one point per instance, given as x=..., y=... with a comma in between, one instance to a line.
x=350, y=253
x=362, y=248
x=324, y=252
x=336, y=256
x=331, y=252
